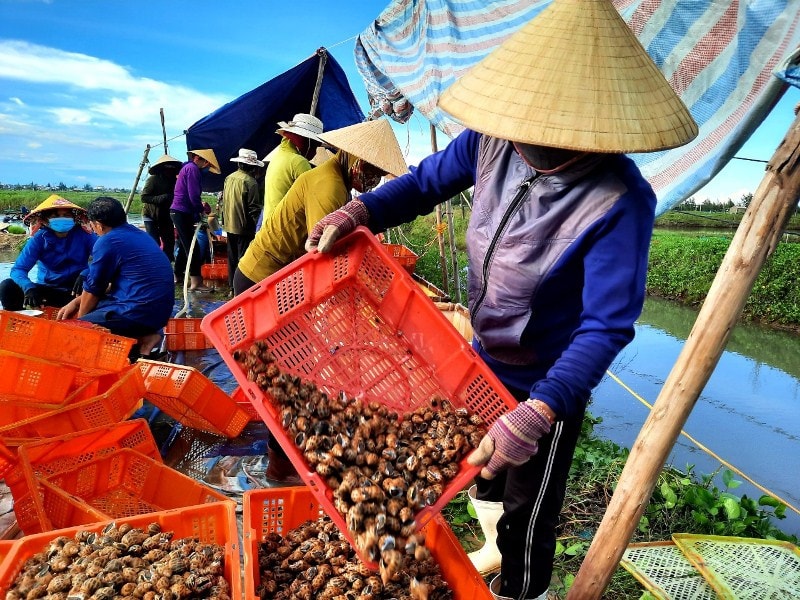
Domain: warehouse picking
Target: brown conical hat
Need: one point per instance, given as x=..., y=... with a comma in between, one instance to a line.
x=163, y=160
x=574, y=77
x=209, y=155
x=371, y=141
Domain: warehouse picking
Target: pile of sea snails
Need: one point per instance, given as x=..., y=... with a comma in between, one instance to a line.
x=128, y=563
x=382, y=468
x=315, y=561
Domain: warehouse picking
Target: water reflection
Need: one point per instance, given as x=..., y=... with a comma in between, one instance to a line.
x=747, y=414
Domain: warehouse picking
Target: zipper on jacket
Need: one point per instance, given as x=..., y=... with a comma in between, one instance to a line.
x=512, y=208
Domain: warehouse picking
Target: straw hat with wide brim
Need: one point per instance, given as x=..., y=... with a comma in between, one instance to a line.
x=53, y=201
x=574, y=77
x=209, y=155
x=371, y=141
x=302, y=124
x=164, y=159
x=320, y=156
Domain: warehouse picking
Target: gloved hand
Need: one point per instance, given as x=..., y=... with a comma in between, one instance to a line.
x=77, y=287
x=336, y=225
x=34, y=298
x=512, y=440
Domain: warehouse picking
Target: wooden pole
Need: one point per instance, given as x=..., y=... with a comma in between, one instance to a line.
x=439, y=236
x=129, y=201
x=755, y=239
x=164, y=131
x=323, y=58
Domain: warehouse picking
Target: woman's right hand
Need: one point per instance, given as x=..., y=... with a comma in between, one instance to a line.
x=337, y=225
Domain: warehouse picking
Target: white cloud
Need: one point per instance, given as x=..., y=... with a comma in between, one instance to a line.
x=104, y=91
x=80, y=115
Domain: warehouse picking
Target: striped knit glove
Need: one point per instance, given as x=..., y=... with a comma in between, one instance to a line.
x=512, y=440
x=336, y=225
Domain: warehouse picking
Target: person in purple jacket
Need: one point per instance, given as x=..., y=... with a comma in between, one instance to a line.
x=187, y=206
x=557, y=246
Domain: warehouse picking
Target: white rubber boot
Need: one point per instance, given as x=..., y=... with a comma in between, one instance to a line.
x=494, y=588
x=487, y=559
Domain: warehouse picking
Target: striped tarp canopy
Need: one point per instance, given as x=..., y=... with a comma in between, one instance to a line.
x=720, y=56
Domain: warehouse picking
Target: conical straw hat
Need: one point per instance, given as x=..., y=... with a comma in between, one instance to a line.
x=372, y=141
x=209, y=155
x=53, y=201
x=162, y=160
x=574, y=77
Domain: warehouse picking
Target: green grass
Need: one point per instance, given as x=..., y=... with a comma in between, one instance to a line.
x=12, y=199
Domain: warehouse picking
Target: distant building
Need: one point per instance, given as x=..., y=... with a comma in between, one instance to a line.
x=737, y=210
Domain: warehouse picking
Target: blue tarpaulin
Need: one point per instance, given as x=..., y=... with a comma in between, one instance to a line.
x=250, y=120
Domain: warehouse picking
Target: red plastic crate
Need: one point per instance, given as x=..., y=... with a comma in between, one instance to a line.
x=5, y=549
x=215, y=271
x=92, y=349
x=116, y=404
x=185, y=334
x=34, y=382
x=210, y=523
x=354, y=320
x=279, y=510
x=47, y=457
x=405, y=256
x=191, y=398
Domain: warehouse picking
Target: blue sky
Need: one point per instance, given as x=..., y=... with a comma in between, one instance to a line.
x=82, y=81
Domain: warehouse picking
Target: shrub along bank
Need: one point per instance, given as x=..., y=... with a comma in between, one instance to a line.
x=683, y=267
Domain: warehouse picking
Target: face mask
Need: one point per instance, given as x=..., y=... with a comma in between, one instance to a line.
x=61, y=224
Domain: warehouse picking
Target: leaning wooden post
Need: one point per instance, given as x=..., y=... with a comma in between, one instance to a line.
x=136, y=181
x=755, y=239
x=439, y=236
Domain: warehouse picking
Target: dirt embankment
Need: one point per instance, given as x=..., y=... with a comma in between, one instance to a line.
x=10, y=241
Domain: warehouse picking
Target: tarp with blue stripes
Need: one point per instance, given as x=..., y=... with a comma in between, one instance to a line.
x=721, y=56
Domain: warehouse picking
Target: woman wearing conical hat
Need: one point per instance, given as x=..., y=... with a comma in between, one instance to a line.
x=59, y=246
x=186, y=208
x=157, y=195
x=365, y=153
x=557, y=244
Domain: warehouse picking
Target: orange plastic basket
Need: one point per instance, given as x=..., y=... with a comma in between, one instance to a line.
x=47, y=508
x=214, y=271
x=7, y=460
x=112, y=406
x=185, y=334
x=405, y=256
x=237, y=395
x=279, y=510
x=210, y=523
x=46, y=457
x=92, y=349
x=34, y=382
x=5, y=549
x=127, y=483
x=191, y=398
x=354, y=320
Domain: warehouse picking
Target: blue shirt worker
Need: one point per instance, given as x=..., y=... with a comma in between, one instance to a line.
x=557, y=245
x=59, y=248
x=129, y=288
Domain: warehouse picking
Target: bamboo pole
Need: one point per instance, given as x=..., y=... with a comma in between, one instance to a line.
x=323, y=59
x=129, y=201
x=755, y=239
x=439, y=236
